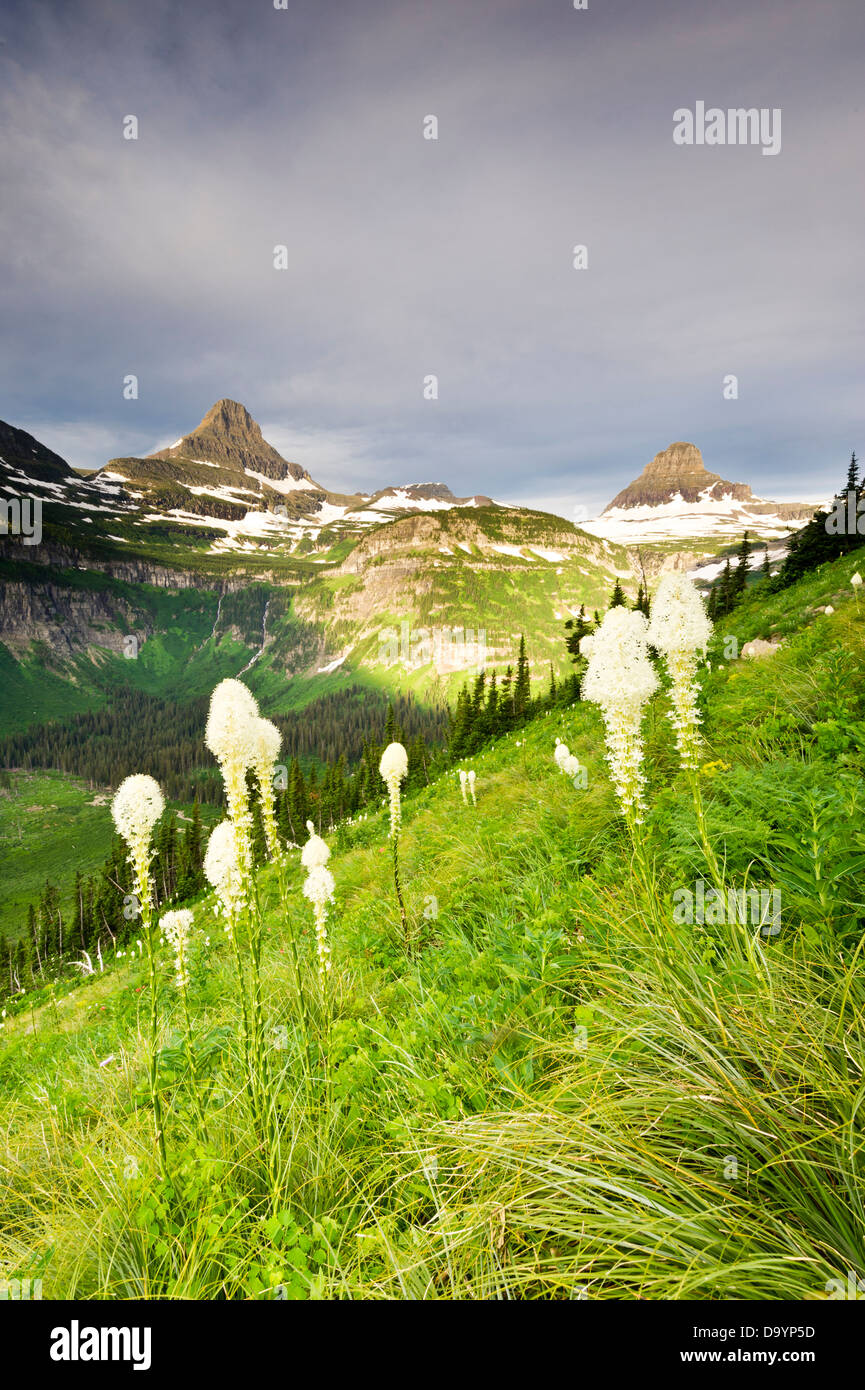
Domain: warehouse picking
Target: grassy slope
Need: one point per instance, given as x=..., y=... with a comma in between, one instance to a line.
x=563, y=1096
x=49, y=826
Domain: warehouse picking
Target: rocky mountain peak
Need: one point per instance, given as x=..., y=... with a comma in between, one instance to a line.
x=677, y=472
x=230, y=437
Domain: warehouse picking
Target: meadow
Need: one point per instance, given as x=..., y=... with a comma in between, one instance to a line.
x=539, y=1084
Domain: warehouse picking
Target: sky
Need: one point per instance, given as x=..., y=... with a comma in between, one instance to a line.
x=409, y=257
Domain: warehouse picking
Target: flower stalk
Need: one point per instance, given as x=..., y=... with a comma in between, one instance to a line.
x=393, y=768
x=137, y=806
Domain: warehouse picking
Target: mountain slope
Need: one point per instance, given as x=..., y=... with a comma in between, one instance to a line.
x=542, y=1101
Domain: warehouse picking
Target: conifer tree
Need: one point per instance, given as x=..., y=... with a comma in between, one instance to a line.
x=618, y=599
x=522, y=684
x=740, y=576
x=577, y=628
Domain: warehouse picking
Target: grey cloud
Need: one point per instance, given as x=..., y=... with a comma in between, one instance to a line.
x=453, y=257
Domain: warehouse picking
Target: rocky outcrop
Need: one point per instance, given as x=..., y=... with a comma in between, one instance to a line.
x=678, y=471
x=132, y=571
x=229, y=436
x=66, y=621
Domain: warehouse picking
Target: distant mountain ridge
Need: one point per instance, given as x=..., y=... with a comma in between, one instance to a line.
x=676, y=498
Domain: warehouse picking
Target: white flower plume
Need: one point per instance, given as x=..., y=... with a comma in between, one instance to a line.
x=394, y=762
x=679, y=620
x=138, y=803
x=315, y=852
x=680, y=628
x=619, y=677
x=266, y=743
x=230, y=732
x=222, y=868
x=319, y=889
x=177, y=927
x=393, y=768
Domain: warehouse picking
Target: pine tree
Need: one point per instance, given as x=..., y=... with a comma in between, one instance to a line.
x=522, y=683
x=725, y=594
x=461, y=727
x=297, y=804
x=491, y=714
x=577, y=628
x=618, y=599
x=853, y=474
x=390, y=726
x=553, y=690
x=506, y=701
x=76, y=926
x=740, y=577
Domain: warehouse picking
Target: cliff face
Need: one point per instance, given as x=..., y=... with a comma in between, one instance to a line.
x=132, y=571
x=67, y=622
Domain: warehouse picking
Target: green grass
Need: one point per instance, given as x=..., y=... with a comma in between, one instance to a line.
x=50, y=825
x=561, y=1093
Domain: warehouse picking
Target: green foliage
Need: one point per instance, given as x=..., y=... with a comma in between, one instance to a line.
x=563, y=1090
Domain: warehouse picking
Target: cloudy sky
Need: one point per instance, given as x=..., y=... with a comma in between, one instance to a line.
x=408, y=257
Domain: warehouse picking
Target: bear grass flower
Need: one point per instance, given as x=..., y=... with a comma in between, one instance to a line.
x=315, y=852
x=222, y=871
x=318, y=889
x=266, y=743
x=467, y=784
x=680, y=629
x=620, y=679
x=393, y=768
x=176, y=926
x=232, y=738
x=138, y=803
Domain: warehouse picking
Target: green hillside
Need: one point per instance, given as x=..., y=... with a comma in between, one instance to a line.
x=556, y=1091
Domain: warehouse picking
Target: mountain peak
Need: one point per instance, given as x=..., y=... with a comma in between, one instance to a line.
x=230, y=437
x=677, y=472
x=230, y=417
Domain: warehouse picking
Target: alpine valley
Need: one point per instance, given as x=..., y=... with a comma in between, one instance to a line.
x=217, y=556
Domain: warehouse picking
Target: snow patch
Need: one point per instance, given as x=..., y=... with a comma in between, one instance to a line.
x=331, y=666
